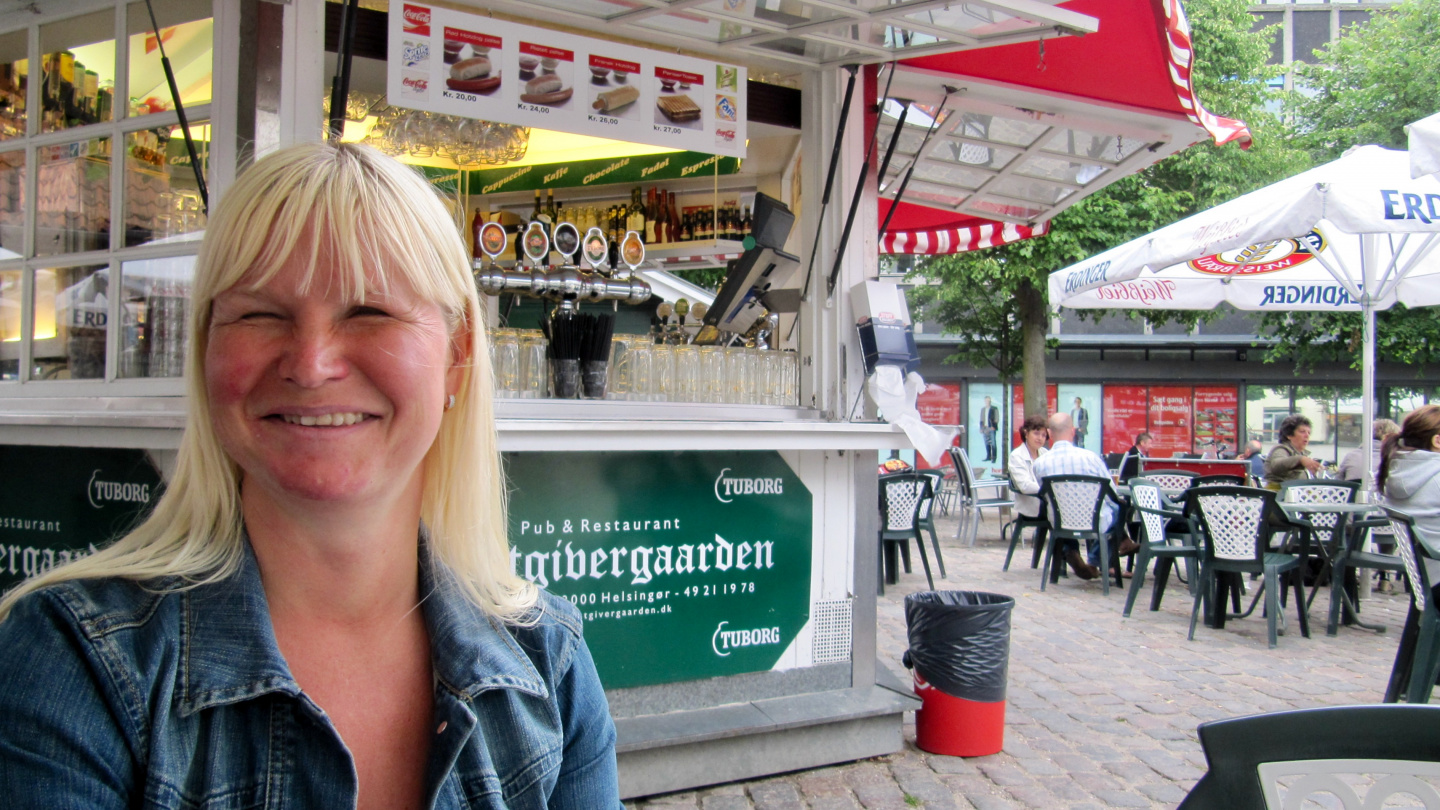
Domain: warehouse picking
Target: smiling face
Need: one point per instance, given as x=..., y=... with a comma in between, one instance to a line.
x=321, y=399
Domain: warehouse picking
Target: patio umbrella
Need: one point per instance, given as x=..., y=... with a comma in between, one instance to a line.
x=1354, y=234
x=1424, y=146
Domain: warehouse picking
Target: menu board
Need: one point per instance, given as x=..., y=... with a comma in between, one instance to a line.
x=1170, y=420
x=1126, y=415
x=474, y=66
x=1216, y=418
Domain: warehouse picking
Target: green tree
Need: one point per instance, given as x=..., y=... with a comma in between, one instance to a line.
x=1371, y=82
x=1230, y=78
x=1364, y=89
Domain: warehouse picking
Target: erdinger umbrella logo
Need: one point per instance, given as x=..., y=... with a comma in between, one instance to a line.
x=1266, y=257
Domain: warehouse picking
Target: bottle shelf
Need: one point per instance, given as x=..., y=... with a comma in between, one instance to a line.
x=694, y=254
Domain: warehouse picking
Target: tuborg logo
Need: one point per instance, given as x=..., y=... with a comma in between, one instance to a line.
x=727, y=640
x=100, y=491
x=727, y=488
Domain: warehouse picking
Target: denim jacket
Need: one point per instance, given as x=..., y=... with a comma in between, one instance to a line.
x=115, y=696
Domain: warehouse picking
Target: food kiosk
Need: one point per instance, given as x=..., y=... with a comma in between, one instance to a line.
x=709, y=506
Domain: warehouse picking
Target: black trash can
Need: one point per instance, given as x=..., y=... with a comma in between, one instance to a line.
x=960, y=654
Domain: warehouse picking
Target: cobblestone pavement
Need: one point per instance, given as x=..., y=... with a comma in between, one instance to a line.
x=1101, y=710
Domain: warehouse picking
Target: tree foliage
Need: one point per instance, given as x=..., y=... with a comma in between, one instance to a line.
x=978, y=296
x=1371, y=82
x=991, y=299
x=1364, y=89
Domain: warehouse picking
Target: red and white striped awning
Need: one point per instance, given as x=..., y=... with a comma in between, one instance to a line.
x=1030, y=130
x=958, y=240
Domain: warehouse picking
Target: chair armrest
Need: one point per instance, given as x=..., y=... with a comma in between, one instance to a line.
x=1369, y=523
x=1165, y=513
x=990, y=483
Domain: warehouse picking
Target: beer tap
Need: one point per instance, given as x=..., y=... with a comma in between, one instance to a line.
x=567, y=283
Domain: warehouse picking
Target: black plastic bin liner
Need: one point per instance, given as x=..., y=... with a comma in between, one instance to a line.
x=960, y=642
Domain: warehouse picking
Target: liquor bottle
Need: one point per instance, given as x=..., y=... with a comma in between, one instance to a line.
x=662, y=219
x=538, y=215
x=635, y=217
x=651, y=216
x=687, y=226
x=745, y=223
x=707, y=224
x=672, y=218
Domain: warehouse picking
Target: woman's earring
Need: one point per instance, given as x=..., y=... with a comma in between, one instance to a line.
x=450, y=403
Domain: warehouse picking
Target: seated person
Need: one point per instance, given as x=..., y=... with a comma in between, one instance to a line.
x=1255, y=454
x=1352, y=466
x=1065, y=458
x=1022, y=466
x=1290, y=459
x=1130, y=464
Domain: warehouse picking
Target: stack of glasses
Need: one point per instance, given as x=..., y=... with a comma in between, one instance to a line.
x=643, y=371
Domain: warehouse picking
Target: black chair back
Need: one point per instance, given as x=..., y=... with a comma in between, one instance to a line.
x=1074, y=503
x=903, y=495
x=1172, y=479
x=1218, y=480
x=1238, y=523
x=1254, y=758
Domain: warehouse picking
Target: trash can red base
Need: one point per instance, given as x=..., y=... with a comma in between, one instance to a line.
x=956, y=727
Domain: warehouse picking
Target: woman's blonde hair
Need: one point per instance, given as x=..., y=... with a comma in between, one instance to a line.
x=381, y=219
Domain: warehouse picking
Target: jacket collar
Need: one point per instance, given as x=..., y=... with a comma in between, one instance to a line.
x=229, y=653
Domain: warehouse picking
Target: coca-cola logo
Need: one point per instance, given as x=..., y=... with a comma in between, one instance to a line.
x=725, y=134
x=416, y=84
x=417, y=20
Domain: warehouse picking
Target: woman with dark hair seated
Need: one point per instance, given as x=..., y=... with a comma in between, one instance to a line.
x=1290, y=459
x=1022, y=466
x=1409, y=475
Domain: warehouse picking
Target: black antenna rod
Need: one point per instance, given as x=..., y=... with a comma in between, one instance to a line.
x=919, y=153
x=859, y=188
x=180, y=111
x=829, y=179
x=340, y=85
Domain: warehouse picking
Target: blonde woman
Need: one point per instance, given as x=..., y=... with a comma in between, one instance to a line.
x=321, y=610
x=1352, y=465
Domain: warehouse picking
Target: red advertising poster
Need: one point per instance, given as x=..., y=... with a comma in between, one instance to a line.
x=1170, y=420
x=1126, y=414
x=1216, y=418
x=1017, y=408
x=938, y=404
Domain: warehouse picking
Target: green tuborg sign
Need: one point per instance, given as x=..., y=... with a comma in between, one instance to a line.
x=62, y=503
x=685, y=565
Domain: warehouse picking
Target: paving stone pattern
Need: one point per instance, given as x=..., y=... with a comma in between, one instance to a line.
x=1101, y=710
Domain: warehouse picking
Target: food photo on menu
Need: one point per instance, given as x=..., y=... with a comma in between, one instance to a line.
x=473, y=61
x=674, y=103
x=548, y=74
x=612, y=92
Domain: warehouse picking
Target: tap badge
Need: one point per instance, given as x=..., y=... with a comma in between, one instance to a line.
x=1266, y=257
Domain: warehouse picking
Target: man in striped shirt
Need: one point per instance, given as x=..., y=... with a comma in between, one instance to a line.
x=1065, y=458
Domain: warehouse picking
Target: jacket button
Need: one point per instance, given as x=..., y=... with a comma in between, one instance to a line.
x=441, y=729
